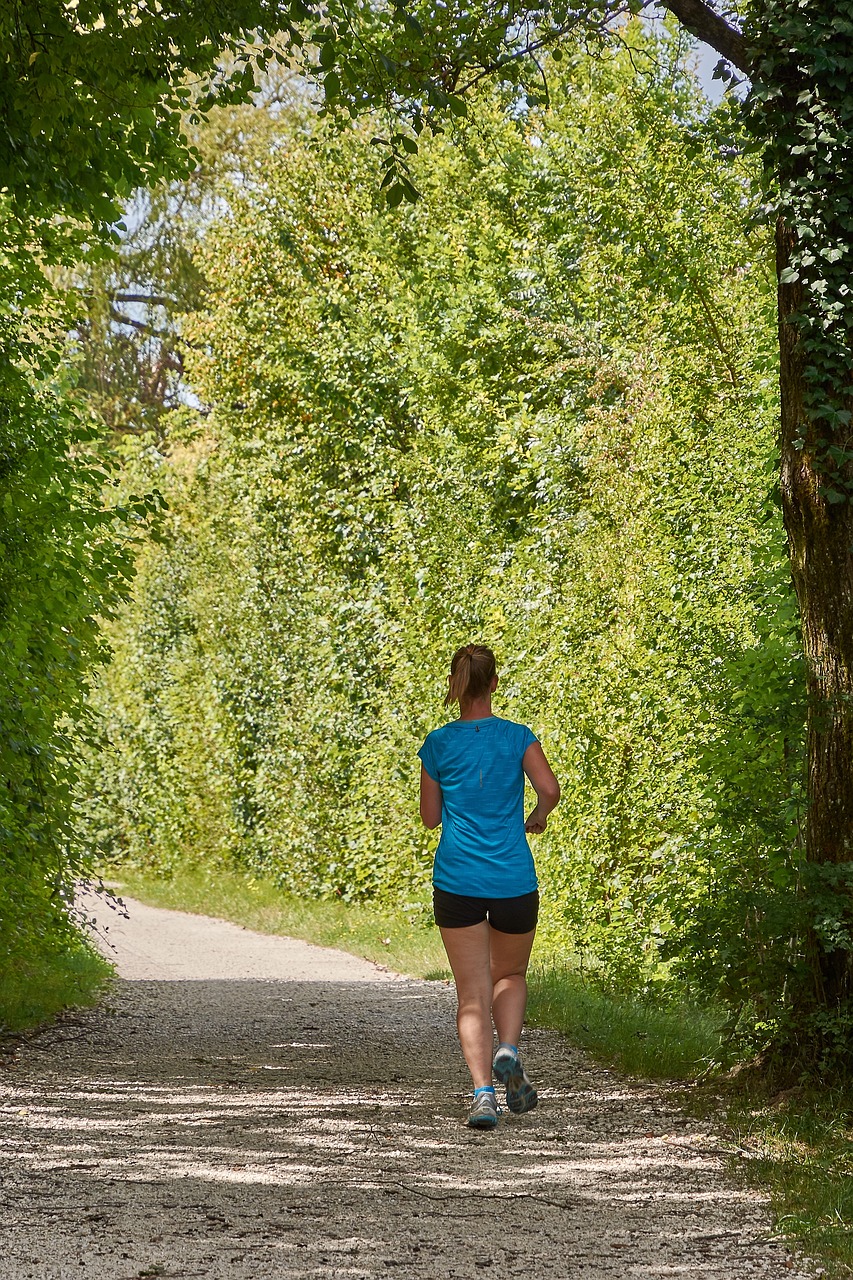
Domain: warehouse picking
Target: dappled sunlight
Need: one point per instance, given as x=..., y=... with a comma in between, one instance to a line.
x=307, y=1129
x=294, y=1135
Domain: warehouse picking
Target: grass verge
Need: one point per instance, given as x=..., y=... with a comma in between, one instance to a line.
x=32, y=991
x=673, y=1042
x=797, y=1148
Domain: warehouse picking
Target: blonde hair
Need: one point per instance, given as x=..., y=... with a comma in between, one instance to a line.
x=472, y=669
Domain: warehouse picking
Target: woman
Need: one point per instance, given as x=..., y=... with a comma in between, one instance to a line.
x=485, y=890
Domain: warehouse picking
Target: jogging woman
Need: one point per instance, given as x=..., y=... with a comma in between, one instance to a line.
x=484, y=881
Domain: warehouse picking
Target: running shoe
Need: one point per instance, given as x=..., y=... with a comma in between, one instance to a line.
x=520, y=1094
x=484, y=1110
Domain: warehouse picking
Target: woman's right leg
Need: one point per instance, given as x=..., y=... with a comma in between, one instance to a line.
x=468, y=950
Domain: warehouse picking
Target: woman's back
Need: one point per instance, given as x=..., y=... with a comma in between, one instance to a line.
x=483, y=847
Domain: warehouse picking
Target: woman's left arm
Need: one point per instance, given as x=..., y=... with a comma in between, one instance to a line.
x=430, y=800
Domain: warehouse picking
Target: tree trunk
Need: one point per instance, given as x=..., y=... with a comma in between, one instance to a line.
x=820, y=541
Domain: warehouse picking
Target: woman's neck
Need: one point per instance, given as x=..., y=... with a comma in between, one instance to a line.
x=476, y=709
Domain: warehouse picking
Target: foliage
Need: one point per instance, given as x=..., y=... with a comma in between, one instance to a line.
x=65, y=560
x=535, y=408
x=92, y=97
x=802, y=120
x=51, y=977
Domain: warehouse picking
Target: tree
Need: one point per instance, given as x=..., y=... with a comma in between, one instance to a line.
x=92, y=96
x=89, y=111
x=799, y=59
x=802, y=117
x=550, y=452
x=67, y=67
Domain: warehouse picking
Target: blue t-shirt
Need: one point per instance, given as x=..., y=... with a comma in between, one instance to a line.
x=483, y=850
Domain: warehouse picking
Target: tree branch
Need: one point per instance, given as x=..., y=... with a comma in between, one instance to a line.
x=141, y=326
x=702, y=22
x=153, y=300
x=171, y=341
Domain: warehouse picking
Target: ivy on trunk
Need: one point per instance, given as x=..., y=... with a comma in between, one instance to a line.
x=801, y=114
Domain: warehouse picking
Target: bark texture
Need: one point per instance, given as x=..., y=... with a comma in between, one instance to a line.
x=703, y=23
x=820, y=539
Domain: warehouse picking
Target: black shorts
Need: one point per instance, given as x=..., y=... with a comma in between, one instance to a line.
x=507, y=915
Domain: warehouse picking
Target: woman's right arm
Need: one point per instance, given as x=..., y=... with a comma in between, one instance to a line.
x=543, y=782
x=430, y=800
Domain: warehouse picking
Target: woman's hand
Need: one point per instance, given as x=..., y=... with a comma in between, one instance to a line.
x=536, y=823
x=546, y=786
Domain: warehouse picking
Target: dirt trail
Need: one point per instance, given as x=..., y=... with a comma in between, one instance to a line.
x=249, y=1107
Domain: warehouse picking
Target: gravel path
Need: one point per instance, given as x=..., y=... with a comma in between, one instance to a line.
x=247, y=1107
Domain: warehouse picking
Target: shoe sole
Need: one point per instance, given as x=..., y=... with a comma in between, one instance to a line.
x=482, y=1122
x=521, y=1095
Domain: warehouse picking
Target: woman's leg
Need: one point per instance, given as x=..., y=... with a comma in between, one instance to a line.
x=510, y=953
x=469, y=955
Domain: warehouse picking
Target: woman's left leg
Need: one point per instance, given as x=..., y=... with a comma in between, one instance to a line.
x=509, y=957
x=510, y=954
x=468, y=950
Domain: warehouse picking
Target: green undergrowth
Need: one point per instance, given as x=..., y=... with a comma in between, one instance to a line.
x=34, y=989
x=673, y=1042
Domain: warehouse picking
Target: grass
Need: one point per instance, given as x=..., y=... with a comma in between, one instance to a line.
x=673, y=1042
x=34, y=991
x=797, y=1148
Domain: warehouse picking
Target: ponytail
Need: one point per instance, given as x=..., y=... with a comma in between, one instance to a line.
x=472, y=669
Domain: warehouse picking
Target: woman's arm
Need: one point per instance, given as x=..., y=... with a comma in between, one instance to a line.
x=430, y=800
x=545, y=785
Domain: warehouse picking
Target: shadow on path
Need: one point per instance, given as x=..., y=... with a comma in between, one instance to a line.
x=254, y=1128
